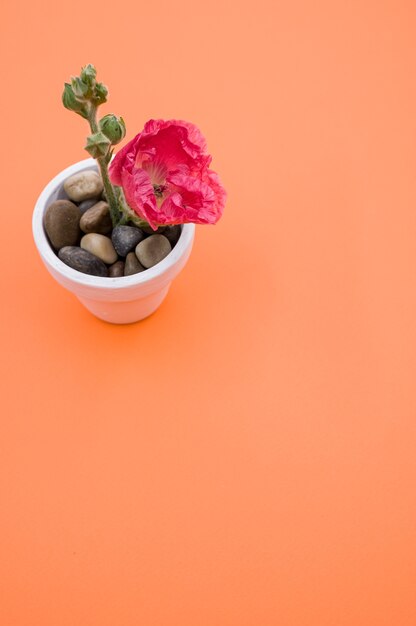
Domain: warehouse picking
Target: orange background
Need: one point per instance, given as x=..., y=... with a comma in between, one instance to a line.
x=246, y=456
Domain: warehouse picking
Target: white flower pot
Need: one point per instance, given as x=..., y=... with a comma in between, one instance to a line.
x=118, y=300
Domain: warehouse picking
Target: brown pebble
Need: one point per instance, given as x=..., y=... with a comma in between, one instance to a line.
x=153, y=250
x=97, y=219
x=132, y=266
x=116, y=270
x=61, y=223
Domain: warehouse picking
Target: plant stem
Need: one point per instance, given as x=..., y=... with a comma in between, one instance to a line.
x=108, y=187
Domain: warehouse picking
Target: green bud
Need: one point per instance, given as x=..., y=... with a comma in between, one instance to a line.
x=113, y=127
x=80, y=88
x=98, y=145
x=71, y=103
x=88, y=74
x=100, y=93
x=86, y=89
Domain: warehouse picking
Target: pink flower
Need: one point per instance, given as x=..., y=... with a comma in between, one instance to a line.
x=164, y=172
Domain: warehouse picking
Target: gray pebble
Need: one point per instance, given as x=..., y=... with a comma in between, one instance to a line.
x=116, y=270
x=126, y=238
x=83, y=185
x=97, y=219
x=61, y=223
x=87, y=204
x=152, y=250
x=132, y=265
x=172, y=233
x=100, y=246
x=82, y=260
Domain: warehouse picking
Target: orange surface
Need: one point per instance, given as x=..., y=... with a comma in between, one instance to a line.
x=246, y=456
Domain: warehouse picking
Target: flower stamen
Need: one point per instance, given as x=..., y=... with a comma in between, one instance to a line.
x=159, y=189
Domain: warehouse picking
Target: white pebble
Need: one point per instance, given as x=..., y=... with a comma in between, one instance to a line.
x=84, y=185
x=100, y=246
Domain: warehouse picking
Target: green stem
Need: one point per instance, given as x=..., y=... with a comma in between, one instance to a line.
x=108, y=187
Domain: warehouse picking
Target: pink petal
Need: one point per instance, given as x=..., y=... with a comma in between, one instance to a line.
x=140, y=196
x=123, y=159
x=213, y=180
x=172, y=143
x=191, y=200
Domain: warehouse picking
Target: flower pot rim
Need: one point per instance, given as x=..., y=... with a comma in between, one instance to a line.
x=87, y=280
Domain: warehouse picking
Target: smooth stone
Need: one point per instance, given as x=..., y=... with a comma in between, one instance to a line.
x=61, y=223
x=97, y=219
x=149, y=230
x=172, y=233
x=87, y=204
x=126, y=238
x=152, y=250
x=132, y=265
x=82, y=260
x=83, y=186
x=116, y=270
x=100, y=246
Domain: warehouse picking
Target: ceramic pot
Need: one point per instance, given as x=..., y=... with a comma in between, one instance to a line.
x=118, y=300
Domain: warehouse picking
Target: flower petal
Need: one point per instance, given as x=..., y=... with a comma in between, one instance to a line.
x=191, y=200
x=124, y=159
x=138, y=190
x=173, y=143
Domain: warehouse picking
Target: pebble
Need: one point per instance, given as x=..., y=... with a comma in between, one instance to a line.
x=172, y=233
x=152, y=250
x=83, y=186
x=100, y=246
x=87, y=204
x=116, y=270
x=82, y=260
x=62, y=223
x=126, y=238
x=149, y=230
x=97, y=219
x=132, y=265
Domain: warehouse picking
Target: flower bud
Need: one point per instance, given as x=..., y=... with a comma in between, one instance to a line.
x=71, y=103
x=113, y=127
x=88, y=74
x=84, y=85
x=79, y=88
x=100, y=93
x=98, y=145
